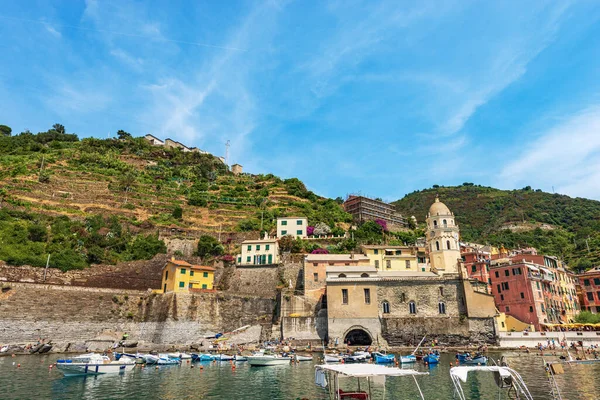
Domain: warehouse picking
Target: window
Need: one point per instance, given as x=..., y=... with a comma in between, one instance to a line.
x=507, y=309
x=346, y=263
x=586, y=282
x=182, y=271
x=516, y=271
x=503, y=324
x=448, y=244
x=365, y=275
x=445, y=223
x=367, y=296
x=598, y=293
x=267, y=246
x=166, y=275
x=501, y=297
x=441, y=290
x=522, y=295
x=543, y=310
x=342, y=276
x=386, y=307
x=283, y=223
x=506, y=272
x=442, y=307
x=205, y=274
x=538, y=285
x=299, y=222
x=315, y=264
x=596, y=281
x=504, y=285
x=204, y=286
x=435, y=224
x=316, y=276
x=249, y=247
x=299, y=232
x=190, y=285
x=344, y=296
x=257, y=247
x=437, y=246
x=474, y=268
x=375, y=251
x=590, y=296
x=191, y=273
x=248, y=259
x=402, y=297
x=499, y=291
x=412, y=307
x=407, y=262
x=283, y=233
x=181, y=284
x=388, y=264
x=376, y=263
x=498, y=275
x=530, y=308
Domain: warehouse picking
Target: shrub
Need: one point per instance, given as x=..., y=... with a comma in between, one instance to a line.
x=146, y=247
x=209, y=246
x=177, y=212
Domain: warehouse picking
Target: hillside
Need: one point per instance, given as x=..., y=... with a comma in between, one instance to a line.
x=92, y=200
x=555, y=224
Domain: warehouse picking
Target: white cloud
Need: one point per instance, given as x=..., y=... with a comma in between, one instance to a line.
x=566, y=157
x=134, y=62
x=53, y=31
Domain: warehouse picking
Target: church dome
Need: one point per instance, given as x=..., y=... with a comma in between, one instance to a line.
x=439, y=208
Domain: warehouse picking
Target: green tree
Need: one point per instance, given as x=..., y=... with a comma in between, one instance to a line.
x=209, y=246
x=587, y=317
x=177, y=212
x=59, y=128
x=121, y=134
x=146, y=247
x=37, y=233
x=286, y=243
x=5, y=130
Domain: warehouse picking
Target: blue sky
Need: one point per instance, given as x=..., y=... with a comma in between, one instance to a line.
x=380, y=98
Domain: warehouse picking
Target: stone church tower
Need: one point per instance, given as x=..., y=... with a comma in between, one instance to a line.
x=442, y=239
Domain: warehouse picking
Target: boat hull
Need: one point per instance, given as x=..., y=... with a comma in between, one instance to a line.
x=265, y=361
x=408, y=359
x=475, y=361
x=431, y=359
x=303, y=358
x=384, y=359
x=332, y=359
x=75, y=369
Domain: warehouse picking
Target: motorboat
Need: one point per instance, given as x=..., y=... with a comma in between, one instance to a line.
x=332, y=358
x=505, y=377
x=327, y=376
x=167, y=359
x=202, y=357
x=431, y=358
x=411, y=358
x=299, y=357
x=265, y=360
x=94, y=364
x=223, y=357
x=239, y=358
x=353, y=358
x=381, y=358
x=185, y=356
x=150, y=359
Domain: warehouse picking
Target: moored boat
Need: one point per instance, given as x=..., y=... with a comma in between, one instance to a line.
x=166, y=359
x=431, y=358
x=268, y=360
x=303, y=358
x=239, y=358
x=331, y=358
x=150, y=359
x=223, y=357
x=381, y=358
x=408, y=359
x=93, y=364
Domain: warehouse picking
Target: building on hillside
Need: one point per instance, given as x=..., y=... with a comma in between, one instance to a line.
x=259, y=252
x=476, y=259
x=181, y=276
x=154, y=140
x=292, y=226
x=237, y=169
x=315, y=275
x=376, y=306
x=536, y=292
x=508, y=323
x=589, y=290
x=365, y=209
x=442, y=239
x=397, y=258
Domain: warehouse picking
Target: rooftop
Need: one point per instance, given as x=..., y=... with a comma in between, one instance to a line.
x=351, y=268
x=182, y=263
x=336, y=257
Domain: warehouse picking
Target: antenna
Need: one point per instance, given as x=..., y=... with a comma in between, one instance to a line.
x=227, y=152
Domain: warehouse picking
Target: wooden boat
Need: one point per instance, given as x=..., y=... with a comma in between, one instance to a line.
x=477, y=360
x=268, y=360
x=93, y=364
x=381, y=358
x=327, y=376
x=431, y=358
x=303, y=358
x=505, y=378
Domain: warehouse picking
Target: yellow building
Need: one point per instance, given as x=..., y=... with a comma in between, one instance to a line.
x=396, y=258
x=180, y=276
x=508, y=323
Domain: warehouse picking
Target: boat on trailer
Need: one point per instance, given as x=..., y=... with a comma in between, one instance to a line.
x=327, y=376
x=505, y=377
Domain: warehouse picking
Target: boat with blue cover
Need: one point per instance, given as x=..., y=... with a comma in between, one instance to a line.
x=432, y=358
x=381, y=358
x=202, y=357
x=466, y=358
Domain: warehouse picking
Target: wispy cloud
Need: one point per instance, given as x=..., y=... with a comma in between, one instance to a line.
x=134, y=62
x=565, y=157
x=53, y=31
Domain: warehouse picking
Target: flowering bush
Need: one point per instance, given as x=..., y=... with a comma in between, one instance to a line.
x=310, y=230
x=382, y=223
x=319, y=251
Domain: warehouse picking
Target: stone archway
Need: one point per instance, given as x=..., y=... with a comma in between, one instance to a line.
x=358, y=336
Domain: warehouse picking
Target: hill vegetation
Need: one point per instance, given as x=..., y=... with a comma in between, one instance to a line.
x=554, y=224
x=105, y=200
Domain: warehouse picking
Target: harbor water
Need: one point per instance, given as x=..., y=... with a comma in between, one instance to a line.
x=35, y=380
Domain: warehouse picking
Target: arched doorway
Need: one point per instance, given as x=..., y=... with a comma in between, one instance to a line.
x=358, y=337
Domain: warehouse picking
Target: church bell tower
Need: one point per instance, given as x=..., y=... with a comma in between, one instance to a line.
x=442, y=239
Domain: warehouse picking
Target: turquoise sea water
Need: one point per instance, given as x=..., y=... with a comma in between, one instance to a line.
x=33, y=380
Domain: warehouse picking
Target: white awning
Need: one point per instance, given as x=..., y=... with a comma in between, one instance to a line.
x=462, y=372
x=367, y=370
x=533, y=268
x=547, y=271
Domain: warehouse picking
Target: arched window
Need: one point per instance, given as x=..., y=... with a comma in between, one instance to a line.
x=386, y=307
x=365, y=275
x=448, y=244
x=341, y=275
x=412, y=307
x=442, y=307
x=437, y=246
x=434, y=223
x=445, y=223
x=402, y=297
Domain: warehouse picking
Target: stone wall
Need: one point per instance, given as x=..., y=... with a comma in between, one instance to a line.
x=72, y=314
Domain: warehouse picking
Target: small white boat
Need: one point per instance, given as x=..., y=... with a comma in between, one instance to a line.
x=411, y=358
x=268, y=360
x=4, y=349
x=330, y=358
x=223, y=357
x=303, y=358
x=238, y=358
x=185, y=356
x=167, y=359
x=94, y=364
x=150, y=359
